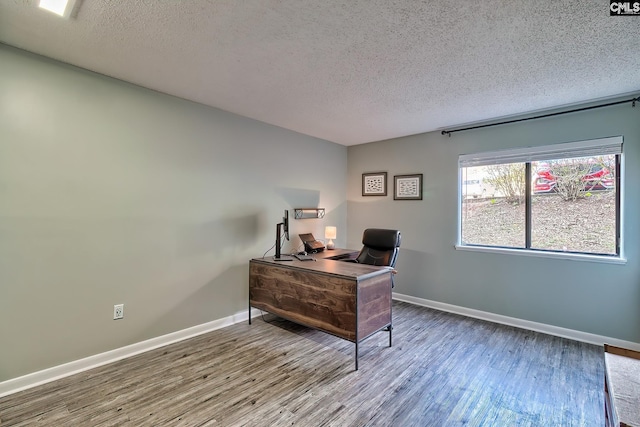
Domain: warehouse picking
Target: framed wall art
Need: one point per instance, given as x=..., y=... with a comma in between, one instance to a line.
x=374, y=184
x=407, y=187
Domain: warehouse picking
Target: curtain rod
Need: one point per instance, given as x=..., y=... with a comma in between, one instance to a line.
x=632, y=100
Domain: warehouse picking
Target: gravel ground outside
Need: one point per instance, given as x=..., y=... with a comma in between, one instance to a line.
x=586, y=225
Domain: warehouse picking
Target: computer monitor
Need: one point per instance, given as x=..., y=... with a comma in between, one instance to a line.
x=282, y=228
x=285, y=224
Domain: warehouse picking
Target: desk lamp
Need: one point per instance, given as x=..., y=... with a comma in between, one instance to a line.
x=330, y=233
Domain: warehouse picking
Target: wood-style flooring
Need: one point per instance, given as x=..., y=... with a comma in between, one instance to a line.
x=443, y=370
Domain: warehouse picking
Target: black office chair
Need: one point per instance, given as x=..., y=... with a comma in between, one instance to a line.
x=381, y=247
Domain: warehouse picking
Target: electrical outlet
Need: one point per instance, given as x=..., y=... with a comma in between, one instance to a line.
x=118, y=311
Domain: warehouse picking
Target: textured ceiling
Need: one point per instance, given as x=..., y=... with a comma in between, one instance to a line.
x=350, y=71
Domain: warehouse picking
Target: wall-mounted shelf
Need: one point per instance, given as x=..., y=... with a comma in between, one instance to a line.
x=304, y=213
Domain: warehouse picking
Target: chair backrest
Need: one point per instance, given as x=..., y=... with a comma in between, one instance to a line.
x=381, y=247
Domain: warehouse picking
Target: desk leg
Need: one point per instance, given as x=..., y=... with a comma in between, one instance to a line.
x=356, y=355
x=390, y=329
x=249, y=313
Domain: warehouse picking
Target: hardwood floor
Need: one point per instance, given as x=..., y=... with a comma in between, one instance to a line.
x=443, y=370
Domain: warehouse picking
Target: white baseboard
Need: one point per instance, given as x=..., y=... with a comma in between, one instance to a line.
x=51, y=374
x=519, y=323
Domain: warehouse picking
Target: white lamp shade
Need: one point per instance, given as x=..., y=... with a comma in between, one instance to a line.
x=330, y=232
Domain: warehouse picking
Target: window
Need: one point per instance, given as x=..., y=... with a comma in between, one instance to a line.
x=560, y=199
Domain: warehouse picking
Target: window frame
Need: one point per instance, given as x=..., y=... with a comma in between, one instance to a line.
x=601, y=146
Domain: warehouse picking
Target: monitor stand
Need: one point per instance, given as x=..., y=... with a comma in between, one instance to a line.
x=278, y=257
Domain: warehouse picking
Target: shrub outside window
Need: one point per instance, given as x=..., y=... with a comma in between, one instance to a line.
x=563, y=198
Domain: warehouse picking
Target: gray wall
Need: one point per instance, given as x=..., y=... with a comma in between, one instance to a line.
x=597, y=298
x=111, y=193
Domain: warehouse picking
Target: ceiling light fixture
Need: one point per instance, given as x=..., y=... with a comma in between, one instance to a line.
x=59, y=7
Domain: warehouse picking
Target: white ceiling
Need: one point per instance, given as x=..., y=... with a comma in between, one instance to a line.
x=350, y=71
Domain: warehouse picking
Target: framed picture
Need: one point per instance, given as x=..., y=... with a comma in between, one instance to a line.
x=407, y=187
x=374, y=184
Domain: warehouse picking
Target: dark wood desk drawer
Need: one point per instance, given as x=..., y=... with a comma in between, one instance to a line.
x=323, y=302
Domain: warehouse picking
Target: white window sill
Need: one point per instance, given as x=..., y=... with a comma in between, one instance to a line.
x=544, y=254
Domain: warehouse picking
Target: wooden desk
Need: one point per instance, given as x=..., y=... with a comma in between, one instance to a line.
x=351, y=301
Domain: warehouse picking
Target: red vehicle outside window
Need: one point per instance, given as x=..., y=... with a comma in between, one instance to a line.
x=597, y=178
